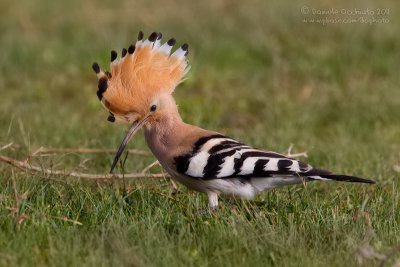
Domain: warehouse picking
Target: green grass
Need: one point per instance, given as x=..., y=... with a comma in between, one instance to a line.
x=258, y=74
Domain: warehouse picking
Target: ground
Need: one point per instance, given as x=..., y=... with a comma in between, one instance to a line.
x=262, y=73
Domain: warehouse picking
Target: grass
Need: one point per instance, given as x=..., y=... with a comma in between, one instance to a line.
x=258, y=74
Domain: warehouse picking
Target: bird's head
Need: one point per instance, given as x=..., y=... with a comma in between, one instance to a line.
x=138, y=88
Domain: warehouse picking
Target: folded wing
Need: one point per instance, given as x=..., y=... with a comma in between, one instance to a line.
x=219, y=157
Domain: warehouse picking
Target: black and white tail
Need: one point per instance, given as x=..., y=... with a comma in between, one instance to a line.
x=318, y=174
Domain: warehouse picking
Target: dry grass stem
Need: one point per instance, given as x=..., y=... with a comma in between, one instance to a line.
x=295, y=155
x=23, y=165
x=44, y=150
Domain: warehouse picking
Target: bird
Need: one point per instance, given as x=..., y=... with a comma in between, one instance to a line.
x=138, y=90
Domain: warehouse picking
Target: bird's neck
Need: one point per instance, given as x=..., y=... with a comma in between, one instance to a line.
x=165, y=131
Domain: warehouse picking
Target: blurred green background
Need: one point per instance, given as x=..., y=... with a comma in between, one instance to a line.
x=263, y=72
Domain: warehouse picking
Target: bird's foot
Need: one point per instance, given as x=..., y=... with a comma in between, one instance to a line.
x=207, y=211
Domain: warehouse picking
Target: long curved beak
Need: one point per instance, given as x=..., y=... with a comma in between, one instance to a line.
x=136, y=126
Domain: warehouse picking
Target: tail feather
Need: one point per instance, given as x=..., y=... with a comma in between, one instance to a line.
x=341, y=178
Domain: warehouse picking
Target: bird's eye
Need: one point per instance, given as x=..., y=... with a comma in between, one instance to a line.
x=153, y=108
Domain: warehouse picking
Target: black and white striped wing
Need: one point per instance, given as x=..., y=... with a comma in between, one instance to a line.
x=217, y=156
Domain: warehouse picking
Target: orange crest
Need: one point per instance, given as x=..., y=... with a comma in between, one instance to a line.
x=144, y=71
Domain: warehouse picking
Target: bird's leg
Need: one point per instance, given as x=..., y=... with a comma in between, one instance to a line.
x=212, y=200
x=212, y=205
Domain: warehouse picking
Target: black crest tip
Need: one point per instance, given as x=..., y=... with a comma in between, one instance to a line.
x=124, y=51
x=111, y=118
x=96, y=67
x=103, y=84
x=99, y=95
x=185, y=47
x=140, y=35
x=131, y=49
x=171, y=42
x=114, y=55
x=153, y=37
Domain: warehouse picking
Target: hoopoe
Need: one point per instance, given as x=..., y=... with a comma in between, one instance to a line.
x=138, y=90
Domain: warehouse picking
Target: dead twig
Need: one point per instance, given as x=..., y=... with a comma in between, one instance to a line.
x=44, y=150
x=150, y=166
x=6, y=146
x=157, y=163
x=396, y=168
x=389, y=255
x=23, y=165
x=18, y=217
x=64, y=218
x=295, y=155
